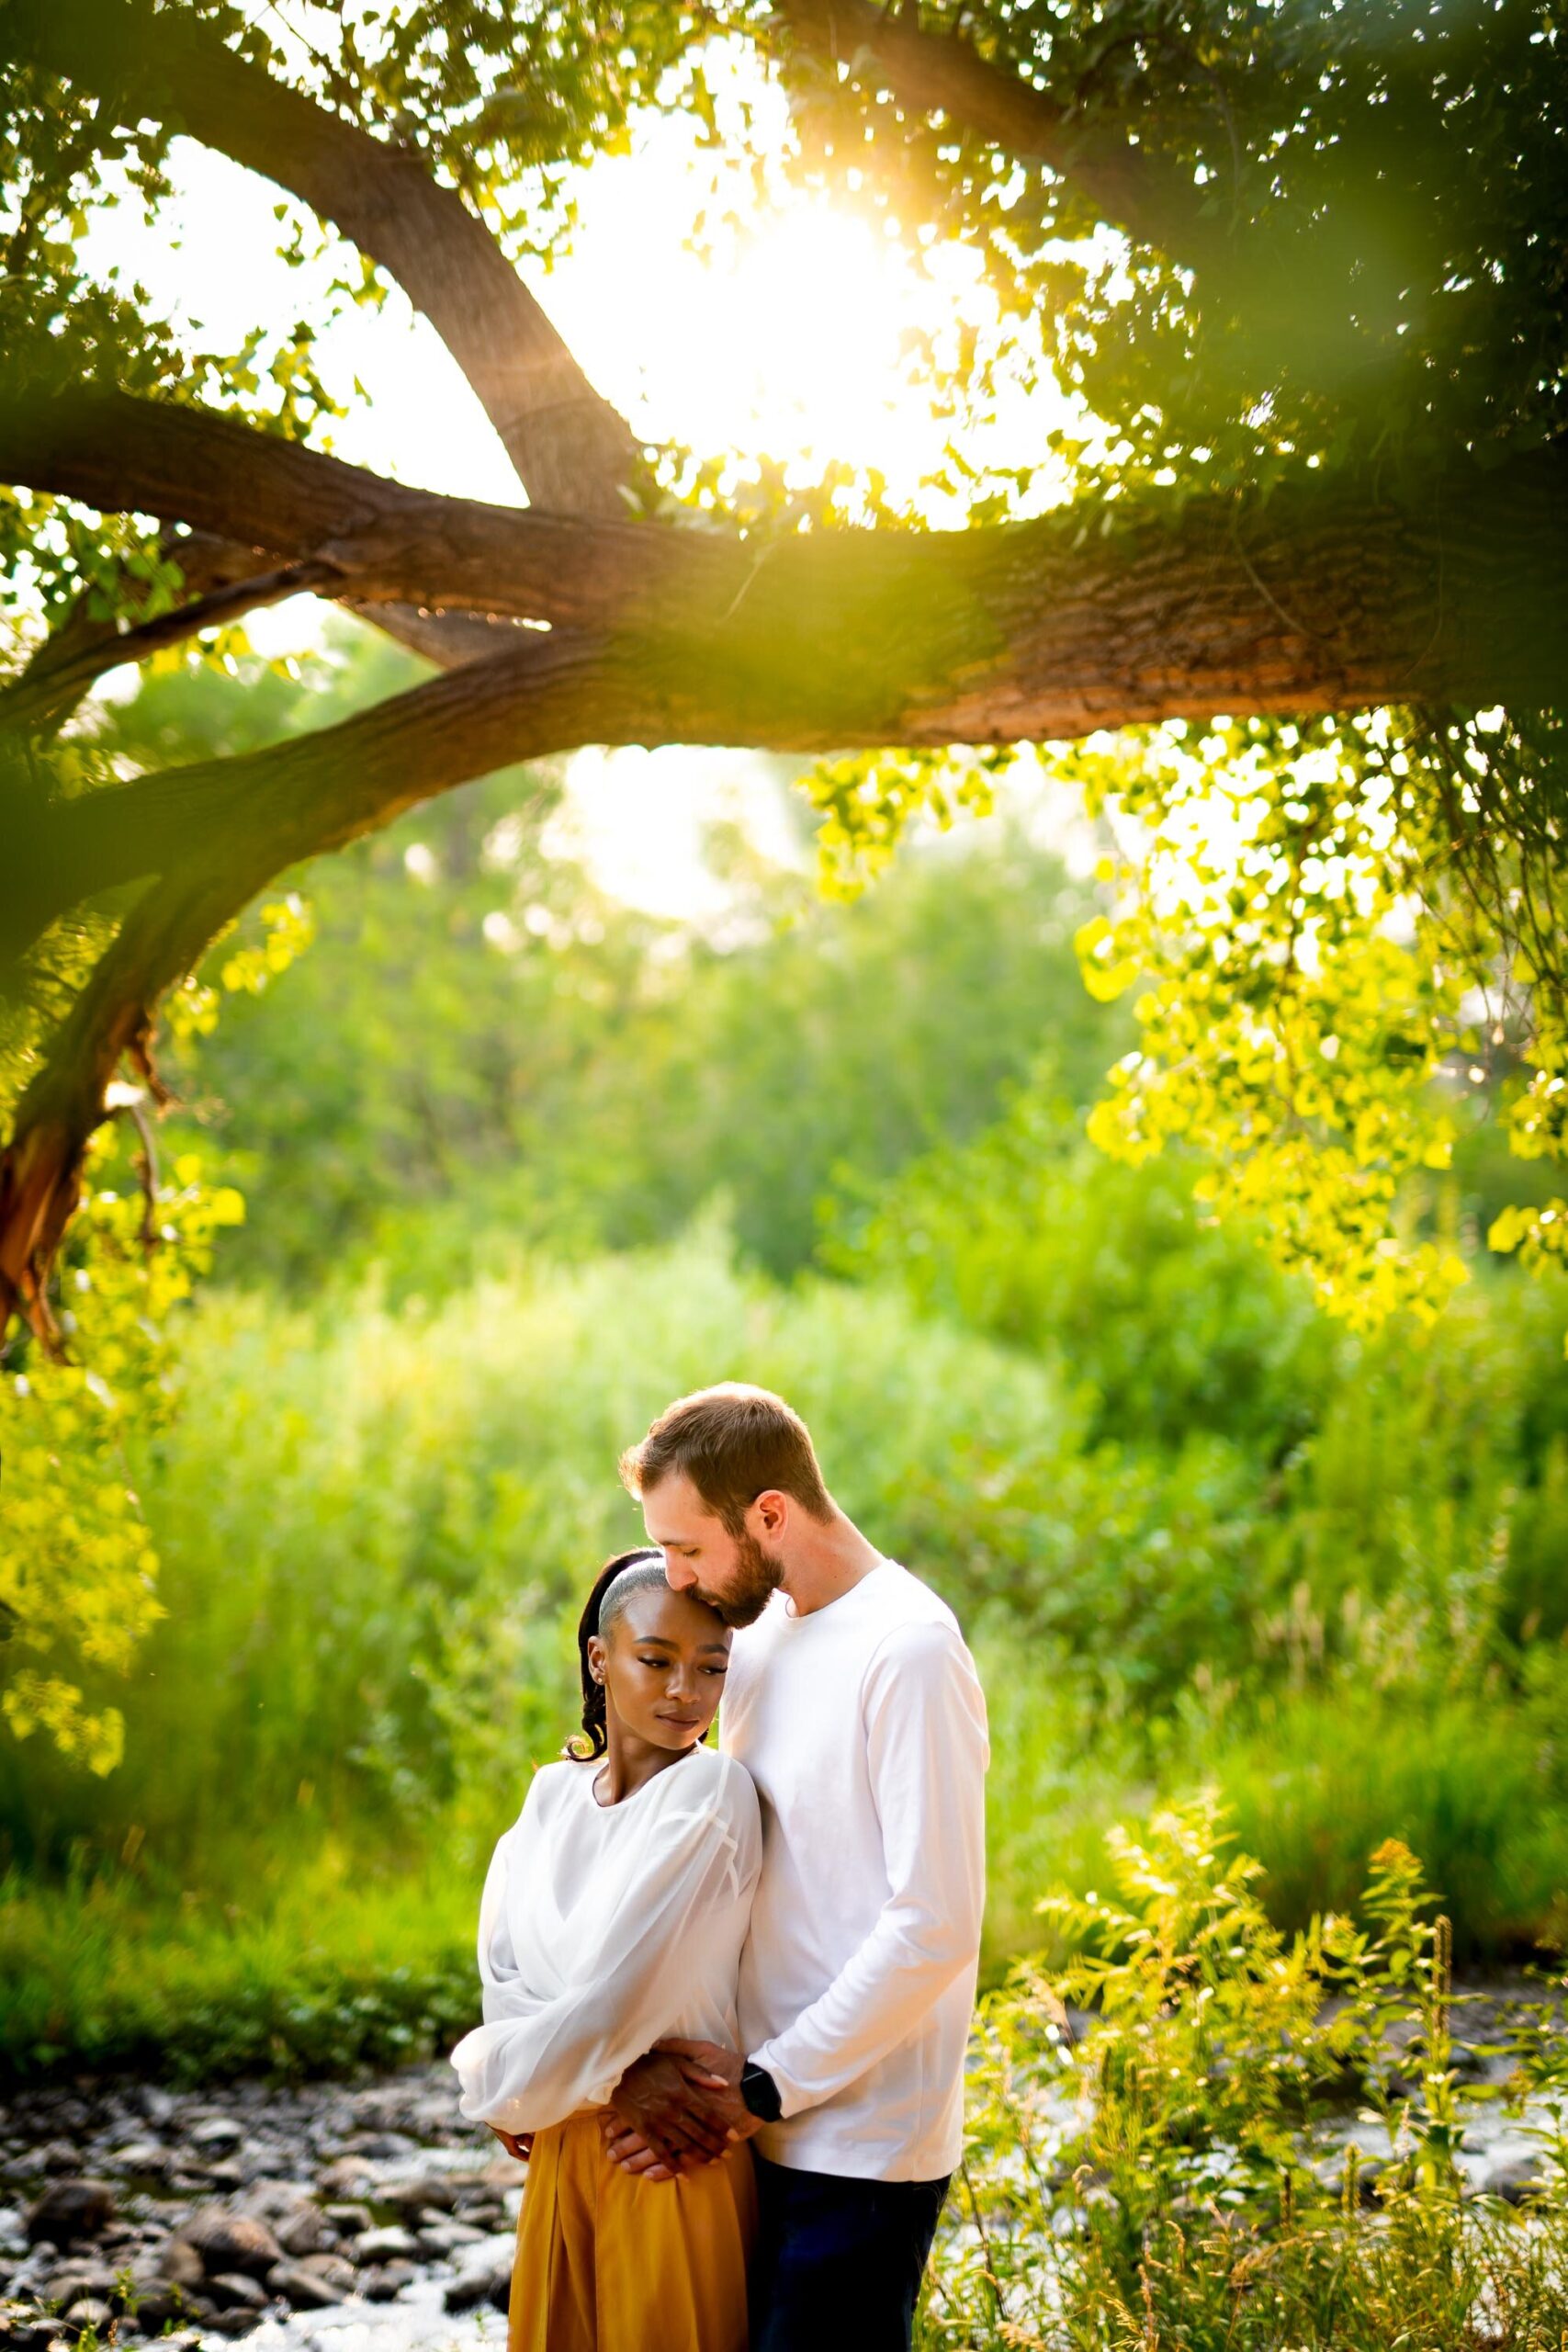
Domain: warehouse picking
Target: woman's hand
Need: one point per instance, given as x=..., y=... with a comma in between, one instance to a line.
x=516, y=2143
x=667, y=2114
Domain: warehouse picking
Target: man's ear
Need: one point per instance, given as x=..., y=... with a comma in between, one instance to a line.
x=773, y=1511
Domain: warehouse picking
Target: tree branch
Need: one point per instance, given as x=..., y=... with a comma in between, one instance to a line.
x=1029, y=632
x=942, y=73
x=47, y=691
x=570, y=448
x=386, y=543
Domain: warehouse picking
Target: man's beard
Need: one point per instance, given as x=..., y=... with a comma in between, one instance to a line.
x=758, y=1576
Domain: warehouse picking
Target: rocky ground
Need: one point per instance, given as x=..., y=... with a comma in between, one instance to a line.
x=330, y=2219
x=306, y=2216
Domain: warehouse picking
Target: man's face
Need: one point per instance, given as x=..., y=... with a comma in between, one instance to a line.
x=734, y=1574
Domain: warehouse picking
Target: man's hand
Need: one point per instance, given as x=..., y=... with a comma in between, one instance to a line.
x=669, y=2113
x=516, y=2143
x=715, y=2073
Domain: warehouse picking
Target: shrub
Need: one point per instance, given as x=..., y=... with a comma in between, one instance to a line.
x=1158, y=2172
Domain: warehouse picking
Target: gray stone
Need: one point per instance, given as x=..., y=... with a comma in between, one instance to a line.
x=380, y=2148
x=307, y=2291
x=489, y=2283
x=1516, y=2179
x=224, y=2176
x=237, y=2320
x=344, y=2176
x=156, y=2305
x=231, y=2242
x=331, y=2266
x=148, y=2158
x=71, y=2209
x=89, y=2311
x=485, y=2212
x=385, y=2285
x=74, y=2279
x=391, y=2245
x=234, y=2289
x=179, y=2263
x=432, y=2192
x=23, y=2332
x=217, y=2135
x=445, y=2237
x=271, y=2199
x=351, y=2218
x=305, y=2230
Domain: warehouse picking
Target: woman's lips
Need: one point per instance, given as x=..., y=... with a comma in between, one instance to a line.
x=681, y=1722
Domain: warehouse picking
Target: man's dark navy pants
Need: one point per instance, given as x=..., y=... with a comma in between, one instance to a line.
x=838, y=2262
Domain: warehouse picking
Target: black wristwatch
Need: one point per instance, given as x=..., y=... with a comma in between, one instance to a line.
x=760, y=2092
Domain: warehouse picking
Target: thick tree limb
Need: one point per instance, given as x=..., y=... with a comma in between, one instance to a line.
x=570, y=448
x=942, y=73
x=1325, y=598
x=1031, y=631
x=223, y=585
x=386, y=543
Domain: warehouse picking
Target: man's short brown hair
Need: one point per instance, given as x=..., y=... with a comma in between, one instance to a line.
x=734, y=1443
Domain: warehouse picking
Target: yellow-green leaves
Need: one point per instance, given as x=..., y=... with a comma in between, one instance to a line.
x=78, y=1568
x=1309, y=1002
x=249, y=966
x=1325, y=974
x=869, y=800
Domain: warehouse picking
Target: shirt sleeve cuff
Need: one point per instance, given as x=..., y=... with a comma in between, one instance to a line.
x=792, y=2095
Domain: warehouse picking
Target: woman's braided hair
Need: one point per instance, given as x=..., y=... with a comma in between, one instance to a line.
x=587, y=1745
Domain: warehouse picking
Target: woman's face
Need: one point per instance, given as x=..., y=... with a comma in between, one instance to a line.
x=662, y=1663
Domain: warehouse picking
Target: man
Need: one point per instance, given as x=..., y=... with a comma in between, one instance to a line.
x=855, y=1706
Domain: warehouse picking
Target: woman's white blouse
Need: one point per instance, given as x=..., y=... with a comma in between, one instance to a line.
x=605, y=1928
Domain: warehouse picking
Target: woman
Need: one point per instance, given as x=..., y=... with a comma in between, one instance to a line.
x=612, y=1917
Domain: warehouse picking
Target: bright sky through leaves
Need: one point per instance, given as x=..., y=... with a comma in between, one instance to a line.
x=786, y=338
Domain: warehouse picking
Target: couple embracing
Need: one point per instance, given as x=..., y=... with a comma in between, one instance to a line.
x=728, y=1992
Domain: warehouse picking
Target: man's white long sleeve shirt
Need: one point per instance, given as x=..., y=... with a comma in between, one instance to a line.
x=864, y=1727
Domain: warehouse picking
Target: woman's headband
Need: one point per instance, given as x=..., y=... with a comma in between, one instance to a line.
x=642, y=1569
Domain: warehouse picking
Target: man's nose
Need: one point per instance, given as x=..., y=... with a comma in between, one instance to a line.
x=679, y=1575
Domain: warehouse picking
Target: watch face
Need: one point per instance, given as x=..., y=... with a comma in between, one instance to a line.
x=760, y=2092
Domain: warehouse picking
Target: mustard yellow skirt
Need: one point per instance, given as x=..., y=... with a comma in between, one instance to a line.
x=609, y=2263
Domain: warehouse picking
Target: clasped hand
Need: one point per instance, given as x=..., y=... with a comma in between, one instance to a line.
x=676, y=2109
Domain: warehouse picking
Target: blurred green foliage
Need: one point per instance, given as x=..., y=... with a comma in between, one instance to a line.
x=480, y=1038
